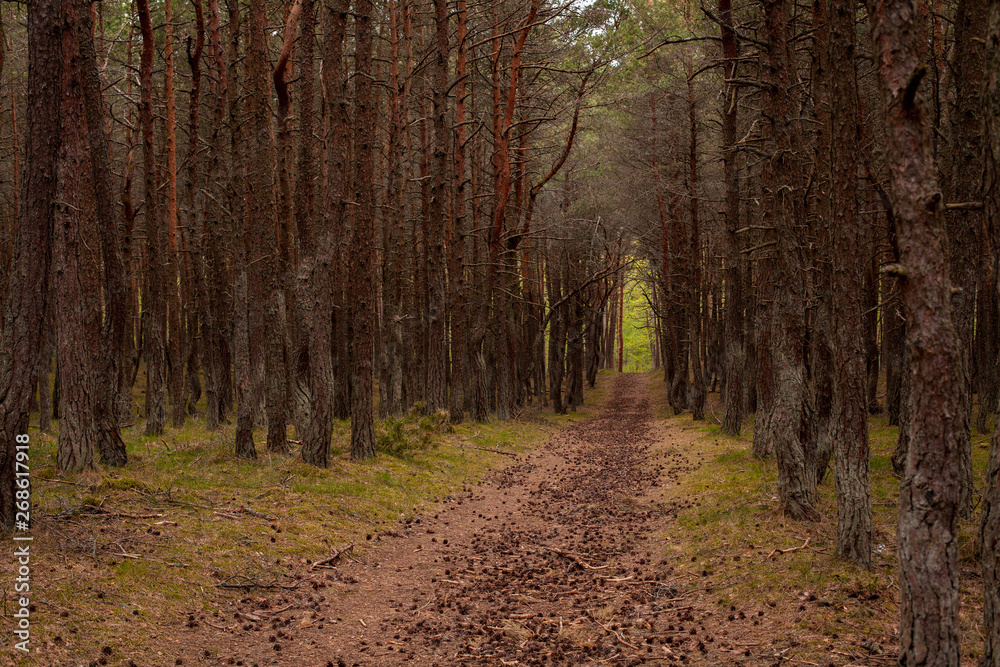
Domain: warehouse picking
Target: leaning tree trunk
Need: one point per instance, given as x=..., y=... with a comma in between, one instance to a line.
x=930, y=492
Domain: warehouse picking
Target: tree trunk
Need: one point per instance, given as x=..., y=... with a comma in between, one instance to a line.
x=243, y=362
x=456, y=255
x=790, y=412
x=319, y=267
x=963, y=225
x=989, y=526
x=28, y=282
x=75, y=264
x=696, y=394
x=110, y=230
x=930, y=492
x=735, y=354
x=363, y=242
x=154, y=324
x=849, y=241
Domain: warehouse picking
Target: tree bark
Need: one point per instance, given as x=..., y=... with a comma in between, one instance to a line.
x=930, y=492
x=154, y=324
x=989, y=526
x=110, y=229
x=849, y=237
x=28, y=283
x=319, y=267
x=363, y=242
x=789, y=411
x=735, y=354
x=75, y=264
x=964, y=225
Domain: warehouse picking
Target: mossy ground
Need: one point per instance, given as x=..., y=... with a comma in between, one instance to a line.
x=123, y=555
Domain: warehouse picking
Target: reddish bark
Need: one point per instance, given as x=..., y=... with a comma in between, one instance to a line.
x=931, y=489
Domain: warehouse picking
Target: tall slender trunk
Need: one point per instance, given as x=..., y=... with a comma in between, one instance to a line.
x=175, y=334
x=264, y=288
x=849, y=240
x=963, y=225
x=192, y=238
x=244, y=447
x=822, y=320
x=696, y=394
x=790, y=405
x=456, y=270
x=283, y=288
x=930, y=492
x=989, y=526
x=110, y=228
x=304, y=215
x=214, y=340
x=437, y=358
x=363, y=241
x=735, y=354
x=320, y=266
x=154, y=324
x=28, y=284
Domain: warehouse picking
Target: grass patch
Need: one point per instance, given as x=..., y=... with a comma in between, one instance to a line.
x=122, y=556
x=806, y=604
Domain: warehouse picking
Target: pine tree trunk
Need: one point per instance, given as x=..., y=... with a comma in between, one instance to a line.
x=75, y=264
x=989, y=526
x=735, y=348
x=363, y=242
x=696, y=394
x=320, y=266
x=849, y=240
x=154, y=323
x=930, y=492
x=964, y=225
x=789, y=410
x=110, y=230
x=28, y=283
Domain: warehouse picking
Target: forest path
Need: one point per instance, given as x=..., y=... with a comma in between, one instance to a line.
x=552, y=560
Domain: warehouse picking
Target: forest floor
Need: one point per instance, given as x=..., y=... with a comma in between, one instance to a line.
x=625, y=537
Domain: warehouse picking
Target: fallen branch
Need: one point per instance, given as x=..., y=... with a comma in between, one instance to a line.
x=482, y=449
x=785, y=551
x=248, y=583
x=60, y=481
x=325, y=563
x=619, y=637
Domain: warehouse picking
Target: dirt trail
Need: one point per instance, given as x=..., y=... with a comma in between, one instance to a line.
x=548, y=561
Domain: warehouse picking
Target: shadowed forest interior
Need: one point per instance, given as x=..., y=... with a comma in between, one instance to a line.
x=316, y=234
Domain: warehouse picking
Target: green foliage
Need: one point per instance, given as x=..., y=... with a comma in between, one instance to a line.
x=401, y=436
x=637, y=330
